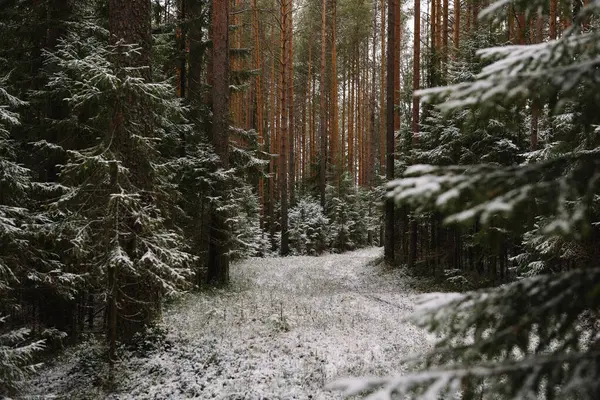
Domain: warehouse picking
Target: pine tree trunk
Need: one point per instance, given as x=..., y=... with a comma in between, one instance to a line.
x=309, y=104
x=390, y=122
x=291, y=110
x=351, y=110
x=445, y=31
x=259, y=106
x=342, y=154
x=218, y=252
x=196, y=56
x=323, y=116
x=272, y=148
x=334, y=96
x=382, y=125
x=373, y=132
x=415, y=118
x=456, y=27
x=283, y=155
x=397, y=44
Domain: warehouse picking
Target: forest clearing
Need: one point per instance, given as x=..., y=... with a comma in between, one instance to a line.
x=284, y=329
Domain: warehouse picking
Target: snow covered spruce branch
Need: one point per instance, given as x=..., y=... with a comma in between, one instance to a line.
x=511, y=350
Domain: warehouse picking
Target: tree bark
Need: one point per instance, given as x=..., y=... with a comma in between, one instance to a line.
x=382, y=125
x=259, y=106
x=218, y=253
x=334, y=96
x=456, y=27
x=323, y=115
x=389, y=168
x=415, y=117
x=283, y=172
x=291, y=110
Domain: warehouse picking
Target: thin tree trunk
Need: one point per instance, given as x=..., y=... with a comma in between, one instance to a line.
x=343, y=132
x=456, y=27
x=382, y=125
x=323, y=116
x=371, y=141
x=351, y=118
x=259, y=106
x=389, y=168
x=272, y=148
x=397, y=44
x=283, y=172
x=335, y=160
x=310, y=94
x=445, y=36
x=415, y=116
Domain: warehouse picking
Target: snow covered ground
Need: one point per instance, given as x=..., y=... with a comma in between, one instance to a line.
x=285, y=328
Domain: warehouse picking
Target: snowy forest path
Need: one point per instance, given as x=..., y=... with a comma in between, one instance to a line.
x=282, y=330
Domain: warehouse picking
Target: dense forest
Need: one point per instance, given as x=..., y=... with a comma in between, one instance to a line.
x=146, y=145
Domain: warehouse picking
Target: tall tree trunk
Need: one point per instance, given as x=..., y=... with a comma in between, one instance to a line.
x=342, y=154
x=456, y=27
x=283, y=155
x=351, y=112
x=291, y=110
x=259, y=106
x=218, y=251
x=272, y=148
x=373, y=133
x=415, y=116
x=445, y=32
x=389, y=168
x=397, y=44
x=335, y=160
x=310, y=94
x=196, y=57
x=323, y=115
x=382, y=126
x=359, y=117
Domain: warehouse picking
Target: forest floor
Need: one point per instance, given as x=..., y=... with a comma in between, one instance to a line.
x=284, y=329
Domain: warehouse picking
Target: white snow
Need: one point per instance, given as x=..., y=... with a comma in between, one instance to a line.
x=285, y=329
